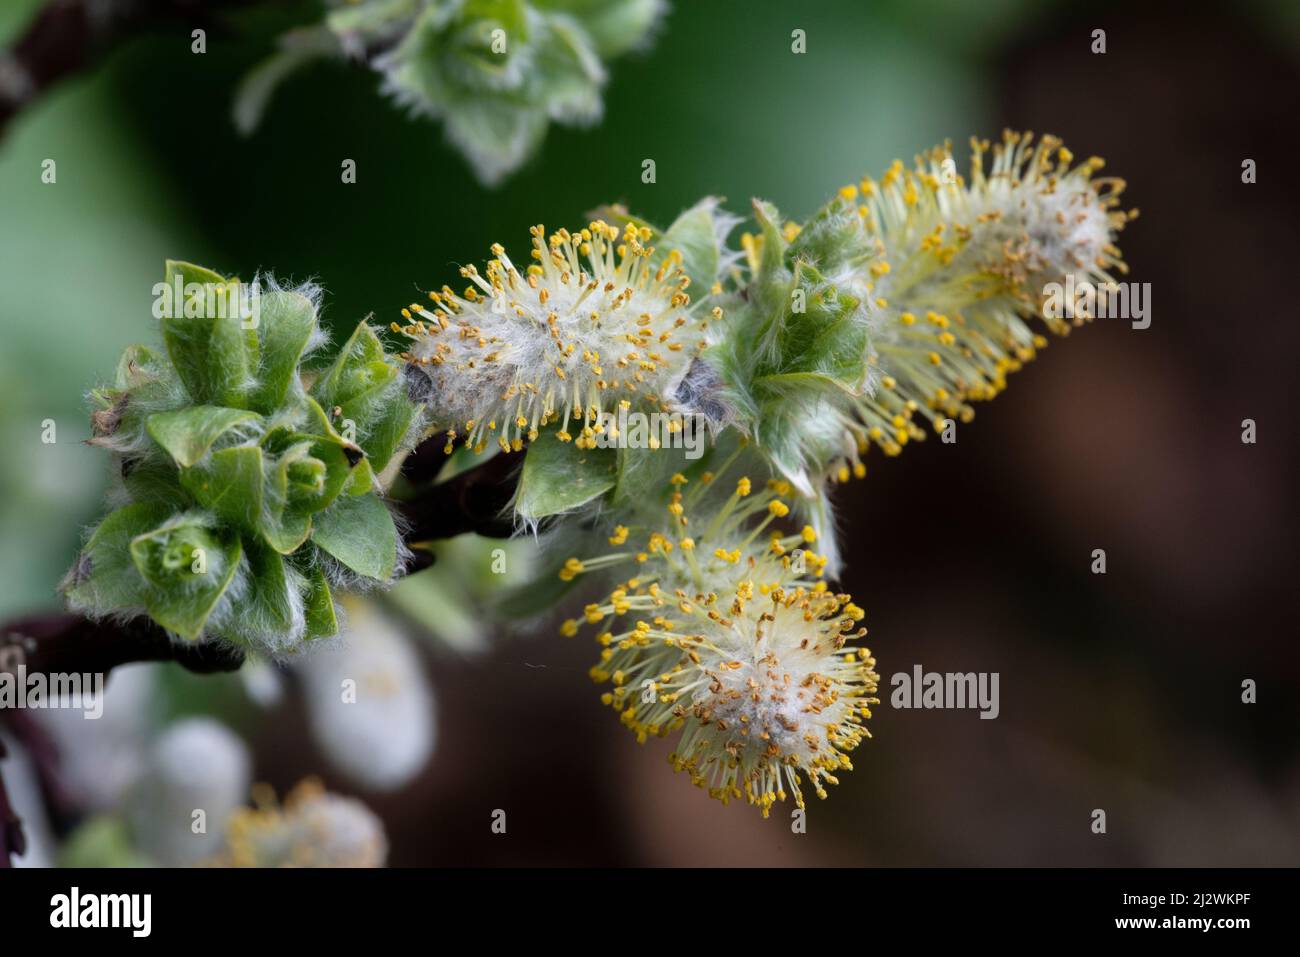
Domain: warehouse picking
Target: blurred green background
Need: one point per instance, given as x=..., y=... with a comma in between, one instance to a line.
x=1119, y=694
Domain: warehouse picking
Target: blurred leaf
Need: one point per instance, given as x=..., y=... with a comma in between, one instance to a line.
x=615, y=26
x=429, y=599
x=298, y=48
x=102, y=841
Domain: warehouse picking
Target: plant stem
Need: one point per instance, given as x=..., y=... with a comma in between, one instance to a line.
x=13, y=842
x=67, y=37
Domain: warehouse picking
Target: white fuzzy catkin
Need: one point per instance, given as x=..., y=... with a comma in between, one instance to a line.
x=951, y=274
x=313, y=828
x=196, y=765
x=370, y=707
x=99, y=759
x=732, y=637
x=596, y=320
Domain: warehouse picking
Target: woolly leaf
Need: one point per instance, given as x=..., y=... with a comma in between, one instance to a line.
x=362, y=480
x=213, y=355
x=268, y=602
x=155, y=480
x=386, y=431
x=833, y=236
x=696, y=235
x=773, y=281
x=359, y=532
x=286, y=530
x=315, y=471
x=319, y=609
x=287, y=321
x=826, y=337
x=138, y=366
x=360, y=367
x=566, y=73
x=174, y=269
x=284, y=526
x=230, y=484
x=557, y=477
x=189, y=566
x=615, y=26
x=104, y=577
x=363, y=387
x=187, y=434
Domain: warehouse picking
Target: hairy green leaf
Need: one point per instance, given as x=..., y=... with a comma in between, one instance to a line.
x=359, y=532
x=188, y=433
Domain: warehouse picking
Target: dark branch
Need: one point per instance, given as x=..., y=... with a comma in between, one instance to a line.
x=13, y=842
x=67, y=37
x=67, y=643
x=474, y=501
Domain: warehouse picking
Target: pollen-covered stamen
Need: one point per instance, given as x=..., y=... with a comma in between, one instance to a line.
x=595, y=320
x=951, y=273
x=733, y=638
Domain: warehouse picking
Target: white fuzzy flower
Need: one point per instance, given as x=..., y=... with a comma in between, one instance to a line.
x=99, y=760
x=596, y=319
x=195, y=765
x=951, y=274
x=314, y=828
x=734, y=639
x=370, y=707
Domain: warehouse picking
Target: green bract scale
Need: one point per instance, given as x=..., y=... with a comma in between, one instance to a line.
x=245, y=490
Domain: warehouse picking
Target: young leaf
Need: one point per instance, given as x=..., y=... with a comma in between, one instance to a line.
x=230, y=484
x=698, y=234
x=319, y=608
x=138, y=366
x=267, y=603
x=286, y=531
x=213, y=354
x=360, y=366
x=104, y=577
x=287, y=321
x=557, y=477
x=188, y=433
x=359, y=532
x=362, y=480
x=385, y=432
x=189, y=567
